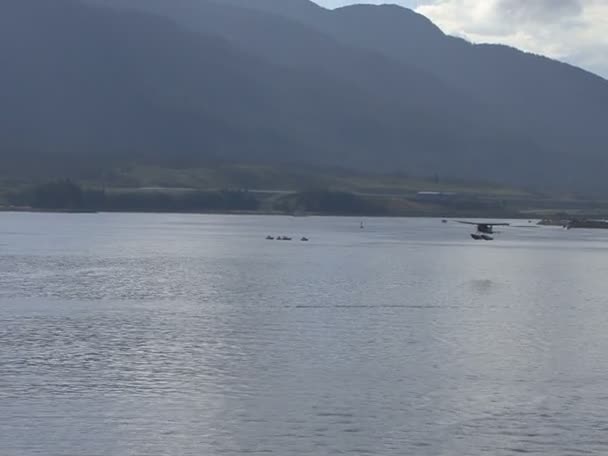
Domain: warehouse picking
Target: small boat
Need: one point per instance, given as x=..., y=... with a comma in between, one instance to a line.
x=304, y=239
x=269, y=238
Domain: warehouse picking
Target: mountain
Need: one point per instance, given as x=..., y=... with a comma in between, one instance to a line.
x=91, y=83
x=83, y=82
x=560, y=107
x=98, y=83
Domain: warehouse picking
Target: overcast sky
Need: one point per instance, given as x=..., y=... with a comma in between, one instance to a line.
x=575, y=31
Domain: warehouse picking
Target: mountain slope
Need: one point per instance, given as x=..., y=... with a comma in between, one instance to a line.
x=560, y=107
x=84, y=81
x=293, y=44
x=426, y=132
x=542, y=94
x=95, y=83
x=188, y=81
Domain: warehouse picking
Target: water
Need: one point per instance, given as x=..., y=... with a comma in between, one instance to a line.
x=192, y=335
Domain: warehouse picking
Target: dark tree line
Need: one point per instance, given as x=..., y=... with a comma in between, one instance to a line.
x=67, y=195
x=62, y=194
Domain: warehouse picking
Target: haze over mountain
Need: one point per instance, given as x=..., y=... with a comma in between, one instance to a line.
x=181, y=82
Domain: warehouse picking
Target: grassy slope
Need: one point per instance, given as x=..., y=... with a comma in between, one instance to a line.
x=275, y=178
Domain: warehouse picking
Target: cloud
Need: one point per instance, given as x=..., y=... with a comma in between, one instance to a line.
x=545, y=11
x=572, y=30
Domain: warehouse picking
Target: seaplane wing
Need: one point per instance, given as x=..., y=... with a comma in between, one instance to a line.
x=483, y=223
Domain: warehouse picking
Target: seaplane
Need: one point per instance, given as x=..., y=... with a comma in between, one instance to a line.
x=485, y=231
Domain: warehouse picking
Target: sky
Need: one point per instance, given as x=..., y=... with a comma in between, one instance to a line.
x=575, y=31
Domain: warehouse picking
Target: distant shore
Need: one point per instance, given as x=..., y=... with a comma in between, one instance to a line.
x=6, y=209
x=378, y=199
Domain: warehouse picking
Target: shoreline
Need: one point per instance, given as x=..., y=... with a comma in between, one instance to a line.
x=275, y=214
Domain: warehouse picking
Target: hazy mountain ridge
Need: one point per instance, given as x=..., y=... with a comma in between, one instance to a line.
x=292, y=82
x=519, y=83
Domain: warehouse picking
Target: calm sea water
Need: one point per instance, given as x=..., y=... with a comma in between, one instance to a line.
x=193, y=335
